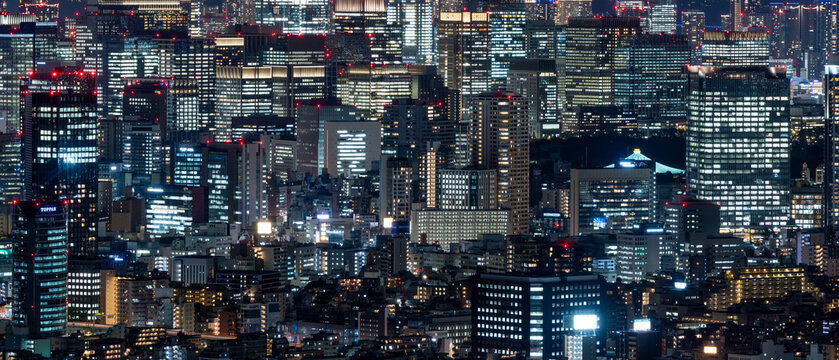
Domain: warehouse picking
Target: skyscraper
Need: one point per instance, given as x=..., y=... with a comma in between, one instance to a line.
x=591, y=46
x=40, y=268
x=693, y=26
x=536, y=80
x=507, y=40
x=295, y=17
x=738, y=144
x=414, y=18
x=59, y=148
x=735, y=49
x=463, y=51
x=831, y=131
x=368, y=19
x=188, y=64
x=500, y=140
x=650, y=80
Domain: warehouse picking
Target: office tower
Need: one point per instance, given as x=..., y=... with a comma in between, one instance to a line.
x=254, y=126
x=188, y=64
x=44, y=11
x=566, y=9
x=151, y=16
x=372, y=88
x=351, y=147
x=409, y=125
x=599, y=119
x=738, y=144
x=646, y=248
x=120, y=63
x=650, y=80
x=143, y=151
x=311, y=118
x=11, y=168
x=610, y=199
x=414, y=18
x=59, y=148
x=831, y=131
x=499, y=140
x=467, y=189
x=536, y=80
x=39, y=274
x=591, y=47
x=397, y=189
x=507, y=38
x=20, y=49
x=463, y=51
x=531, y=316
x=298, y=50
x=144, y=133
x=234, y=177
x=244, y=91
x=739, y=12
x=662, y=19
x=735, y=49
x=693, y=26
x=801, y=33
x=169, y=209
x=542, y=39
x=368, y=21
x=294, y=17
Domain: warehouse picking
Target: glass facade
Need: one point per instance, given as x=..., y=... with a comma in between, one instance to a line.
x=738, y=144
x=39, y=272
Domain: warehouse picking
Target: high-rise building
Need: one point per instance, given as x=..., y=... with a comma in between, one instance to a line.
x=610, y=199
x=591, y=48
x=11, y=174
x=189, y=65
x=507, y=40
x=463, y=57
x=566, y=9
x=294, y=17
x=20, y=49
x=831, y=131
x=735, y=49
x=44, y=11
x=265, y=90
x=351, y=147
x=311, y=118
x=467, y=189
x=59, y=148
x=368, y=21
x=662, y=18
x=39, y=272
x=415, y=18
x=693, y=26
x=371, y=88
x=645, y=249
x=533, y=317
x=536, y=80
x=409, y=125
x=801, y=32
x=396, y=189
x=738, y=144
x=650, y=80
x=499, y=140
x=169, y=210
